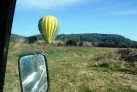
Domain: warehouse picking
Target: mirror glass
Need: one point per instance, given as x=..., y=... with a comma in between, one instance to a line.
x=33, y=73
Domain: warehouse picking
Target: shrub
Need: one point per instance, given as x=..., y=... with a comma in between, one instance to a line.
x=81, y=44
x=32, y=39
x=71, y=43
x=87, y=44
x=59, y=44
x=128, y=54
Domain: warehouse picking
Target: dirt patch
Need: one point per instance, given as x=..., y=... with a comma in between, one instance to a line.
x=19, y=46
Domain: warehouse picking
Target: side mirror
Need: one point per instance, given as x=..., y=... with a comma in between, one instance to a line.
x=33, y=73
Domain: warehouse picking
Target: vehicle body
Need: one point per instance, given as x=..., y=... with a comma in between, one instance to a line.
x=7, y=8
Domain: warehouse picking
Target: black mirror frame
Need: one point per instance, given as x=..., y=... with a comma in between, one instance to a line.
x=46, y=64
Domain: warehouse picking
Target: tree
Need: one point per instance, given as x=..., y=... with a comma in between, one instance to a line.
x=71, y=43
x=32, y=39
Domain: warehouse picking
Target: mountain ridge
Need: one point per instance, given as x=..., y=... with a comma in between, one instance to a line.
x=94, y=38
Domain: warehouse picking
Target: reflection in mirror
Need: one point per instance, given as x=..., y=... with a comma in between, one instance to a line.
x=33, y=73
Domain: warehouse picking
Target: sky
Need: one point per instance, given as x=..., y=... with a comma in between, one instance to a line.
x=78, y=16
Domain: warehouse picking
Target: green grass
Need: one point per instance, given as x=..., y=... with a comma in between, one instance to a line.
x=110, y=66
x=71, y=69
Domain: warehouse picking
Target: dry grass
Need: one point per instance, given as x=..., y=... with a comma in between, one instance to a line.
x=70, y=70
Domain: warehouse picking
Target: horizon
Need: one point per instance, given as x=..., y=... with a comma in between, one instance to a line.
x=78, y=16
x=75, y=34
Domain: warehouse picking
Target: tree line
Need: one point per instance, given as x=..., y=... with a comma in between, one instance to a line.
x=99, y=40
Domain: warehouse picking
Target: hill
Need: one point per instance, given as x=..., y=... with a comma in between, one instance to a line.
x=99, y=40
x=17, y=38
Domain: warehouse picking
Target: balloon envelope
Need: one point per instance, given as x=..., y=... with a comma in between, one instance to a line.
x=49, y=28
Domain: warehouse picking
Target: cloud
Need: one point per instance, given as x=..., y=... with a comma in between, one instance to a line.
x=46, y=4
x=52, y=4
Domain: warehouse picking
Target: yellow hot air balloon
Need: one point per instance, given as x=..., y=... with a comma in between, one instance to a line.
x=49, y=28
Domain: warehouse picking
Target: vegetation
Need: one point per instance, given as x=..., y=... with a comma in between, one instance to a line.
x=96, y=40
x=76, y=69
x=128, y=54
x=71, y=43
x=32, y=39
x=100, y=40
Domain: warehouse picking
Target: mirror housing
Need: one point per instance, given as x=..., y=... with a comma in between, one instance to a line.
x=33, y=73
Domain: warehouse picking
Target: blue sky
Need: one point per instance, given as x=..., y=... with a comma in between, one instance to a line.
x=78, y=16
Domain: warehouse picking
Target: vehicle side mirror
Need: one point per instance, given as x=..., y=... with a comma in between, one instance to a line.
x=33, y=73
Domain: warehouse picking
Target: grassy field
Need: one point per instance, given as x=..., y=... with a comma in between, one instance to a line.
x=74, y=69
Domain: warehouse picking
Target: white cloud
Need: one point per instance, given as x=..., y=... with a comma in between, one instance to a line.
x=46, y=4
x=52, y=4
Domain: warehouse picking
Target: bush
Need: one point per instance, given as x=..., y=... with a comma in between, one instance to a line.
x=71, y=43
x=85, y=44
x=32, y=39
x=59, y=44
x=128, y=54
x=81, y=44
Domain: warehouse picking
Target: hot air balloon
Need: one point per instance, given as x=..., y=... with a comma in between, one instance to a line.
x=49, y=28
